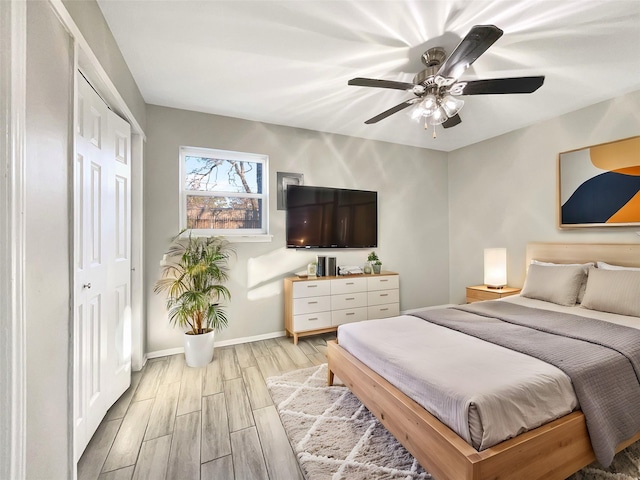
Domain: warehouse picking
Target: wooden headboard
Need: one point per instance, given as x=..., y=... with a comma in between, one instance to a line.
x=625, y=254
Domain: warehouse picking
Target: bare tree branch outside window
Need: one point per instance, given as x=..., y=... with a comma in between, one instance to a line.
x=228, y=184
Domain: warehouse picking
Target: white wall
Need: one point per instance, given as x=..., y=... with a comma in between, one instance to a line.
x=413, y=215
x=48, y=97
x=502, y=192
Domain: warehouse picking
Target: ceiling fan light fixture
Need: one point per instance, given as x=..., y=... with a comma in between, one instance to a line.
x=436, y=87
x=418, y=112
x=443, y=81
x=452, y=105
x=438, y=117
x=429, y=104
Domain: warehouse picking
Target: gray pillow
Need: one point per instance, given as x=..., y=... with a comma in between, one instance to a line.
x=555, y=284
x=585, y=267
x=614, y=291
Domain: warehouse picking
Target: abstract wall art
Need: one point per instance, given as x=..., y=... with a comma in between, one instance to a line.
x=599, y=186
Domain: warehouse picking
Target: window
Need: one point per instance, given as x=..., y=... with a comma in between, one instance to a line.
x=223, y=192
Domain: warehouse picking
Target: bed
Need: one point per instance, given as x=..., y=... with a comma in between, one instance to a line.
x=556, y=449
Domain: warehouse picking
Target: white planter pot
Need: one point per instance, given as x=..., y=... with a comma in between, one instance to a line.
x=198, y=349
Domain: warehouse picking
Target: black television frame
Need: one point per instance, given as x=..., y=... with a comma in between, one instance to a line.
x=335, y=223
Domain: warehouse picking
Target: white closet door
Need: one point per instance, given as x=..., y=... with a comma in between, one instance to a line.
x=102, y=329
x=118, y=374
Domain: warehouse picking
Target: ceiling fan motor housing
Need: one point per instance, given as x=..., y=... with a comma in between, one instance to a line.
x=424, y=80
x=434, y=57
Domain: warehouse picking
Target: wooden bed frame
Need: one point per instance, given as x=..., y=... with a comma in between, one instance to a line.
x=552, y=451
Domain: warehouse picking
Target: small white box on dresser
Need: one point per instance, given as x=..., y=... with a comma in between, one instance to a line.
x=319, y=305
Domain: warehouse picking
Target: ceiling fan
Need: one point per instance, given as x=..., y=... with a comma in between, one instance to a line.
x=436, y=88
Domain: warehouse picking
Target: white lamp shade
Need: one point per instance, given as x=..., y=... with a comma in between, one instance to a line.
x=495, y=267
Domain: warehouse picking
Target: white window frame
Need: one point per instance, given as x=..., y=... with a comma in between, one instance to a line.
x=246, y=235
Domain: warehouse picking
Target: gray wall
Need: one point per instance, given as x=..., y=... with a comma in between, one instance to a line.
x=47, y=220
x=413, y=213
x=502, y=192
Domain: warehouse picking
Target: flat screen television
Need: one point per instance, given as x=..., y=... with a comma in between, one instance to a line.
x=322, y=217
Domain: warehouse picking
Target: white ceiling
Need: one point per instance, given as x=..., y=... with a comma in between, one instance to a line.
x=288, y=62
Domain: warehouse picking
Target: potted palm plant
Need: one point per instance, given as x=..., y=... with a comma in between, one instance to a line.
x=194, y=270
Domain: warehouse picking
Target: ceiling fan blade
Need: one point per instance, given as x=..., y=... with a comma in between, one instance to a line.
x=452, y=122
x=391, y=111
x=372, y=82
x=477, y=41
x=503, y=85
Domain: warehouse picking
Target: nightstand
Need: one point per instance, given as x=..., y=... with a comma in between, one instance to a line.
x=482, y=292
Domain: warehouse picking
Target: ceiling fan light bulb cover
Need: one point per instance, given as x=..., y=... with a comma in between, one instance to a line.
x=429, y=105
x=438, y=117
x=452, y=105
x=417, y=112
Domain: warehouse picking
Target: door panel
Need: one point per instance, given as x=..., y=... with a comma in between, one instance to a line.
x=119, y=338
x=102, y=266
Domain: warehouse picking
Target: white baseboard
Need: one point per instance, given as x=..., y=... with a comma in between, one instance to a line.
x=224, y=343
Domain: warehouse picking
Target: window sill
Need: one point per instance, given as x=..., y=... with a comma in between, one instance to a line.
x=248, y=238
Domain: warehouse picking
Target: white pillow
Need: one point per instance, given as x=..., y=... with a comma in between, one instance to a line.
x=614, y=291
x=585, y=267
x=554, y=283
x=607, y=266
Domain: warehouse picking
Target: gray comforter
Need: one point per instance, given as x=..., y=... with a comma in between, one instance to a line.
x=602, y=359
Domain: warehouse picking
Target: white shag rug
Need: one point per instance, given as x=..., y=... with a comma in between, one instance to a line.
x=336, y=438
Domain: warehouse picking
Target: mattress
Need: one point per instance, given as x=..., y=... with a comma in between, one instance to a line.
x=484, y=392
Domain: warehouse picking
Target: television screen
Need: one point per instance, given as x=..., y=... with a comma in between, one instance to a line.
x=322, y=217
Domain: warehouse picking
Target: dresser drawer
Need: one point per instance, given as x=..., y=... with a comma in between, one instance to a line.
x=348, y=285
x=348, y=300
x=311, y=288
x=384, y=311
x=381, y=297
x=311, y=305
x=338, y=317
x=311, y=321
x=383, y=282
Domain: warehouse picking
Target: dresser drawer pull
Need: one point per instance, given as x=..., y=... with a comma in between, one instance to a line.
x=312, y=319
x=350, y=298
x=384, y=309
x=384, y=280
x=349, y=283
x=350, y=313
x=384, y=294
x=312, y=286
x=311, y=303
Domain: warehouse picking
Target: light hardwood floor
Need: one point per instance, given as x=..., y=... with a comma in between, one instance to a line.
x=216, y=422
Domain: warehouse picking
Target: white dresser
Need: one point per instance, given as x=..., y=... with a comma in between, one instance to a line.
x=319, y=305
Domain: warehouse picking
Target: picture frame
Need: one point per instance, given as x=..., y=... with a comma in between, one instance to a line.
x=599, y=185
x=284, y=179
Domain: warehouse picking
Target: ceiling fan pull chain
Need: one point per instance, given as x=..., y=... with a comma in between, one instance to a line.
x=434, y=131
